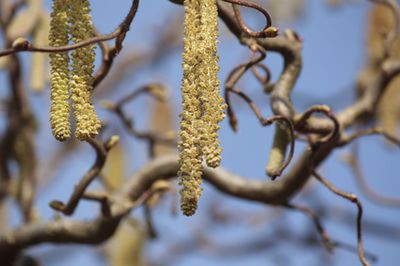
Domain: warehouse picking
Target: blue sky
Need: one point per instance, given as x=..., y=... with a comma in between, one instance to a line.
x=333, y=54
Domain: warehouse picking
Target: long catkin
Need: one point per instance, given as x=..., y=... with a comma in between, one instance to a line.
x=87, y=123
x=201, y=102
x=59, y=81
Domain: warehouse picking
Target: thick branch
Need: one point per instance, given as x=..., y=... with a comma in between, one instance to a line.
x=100, y=229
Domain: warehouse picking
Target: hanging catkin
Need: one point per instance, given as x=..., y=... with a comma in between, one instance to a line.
x=212, y=102
x=71, y=19
x=59, y=82
x=189, y=145
x=201, y=102
x=87, y=123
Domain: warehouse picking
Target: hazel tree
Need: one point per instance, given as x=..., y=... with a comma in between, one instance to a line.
x=66, y=40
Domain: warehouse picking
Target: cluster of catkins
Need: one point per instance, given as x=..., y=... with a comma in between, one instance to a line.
x=203, y=107
x=71, y=21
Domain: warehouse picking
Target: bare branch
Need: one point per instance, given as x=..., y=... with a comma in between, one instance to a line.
x=23, y=45
x=318, y=225
x=101, y=155
x=353, y=198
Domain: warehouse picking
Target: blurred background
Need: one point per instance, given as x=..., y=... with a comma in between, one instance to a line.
x=224, y=231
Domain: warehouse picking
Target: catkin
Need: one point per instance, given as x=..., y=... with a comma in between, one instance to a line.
x=213, y=104
x=189, y=145
x=59, y=89
x=71, y=19
x=82, y=67
x=201, y=102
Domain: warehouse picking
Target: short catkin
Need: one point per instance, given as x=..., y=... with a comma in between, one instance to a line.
x=59, y=81
x=202, y=105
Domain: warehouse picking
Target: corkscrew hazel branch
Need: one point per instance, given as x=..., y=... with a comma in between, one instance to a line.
x=328, y=243
x=276, y=163
x=352, y=159
x=119, y=36
x=301, y=120
x=354, y=199
x=267, y=31
x=231, y=81
x=369, y=132
x=102, y=150
x=156, y=90
x=264, y=80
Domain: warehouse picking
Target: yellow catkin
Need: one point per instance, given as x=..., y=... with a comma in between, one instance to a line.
x=58, y=36
x=189, y=145
x=87, y=123
x=201, y=102
x=212, y=102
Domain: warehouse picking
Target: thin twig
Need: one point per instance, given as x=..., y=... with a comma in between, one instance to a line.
x=353, y=161
x=301, y=121
x=231, y=81
x=101, y=155
x=267, y=31
x=318, y=225
x=369, y=132
x=353, y=198
x=117, y=108
x=119, y=35
x=264, y=80
x=268, y=121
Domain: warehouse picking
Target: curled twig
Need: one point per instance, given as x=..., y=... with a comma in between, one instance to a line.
x=328, y=243
x=23, y=45
x=353, y=198
x=156, y=90
x=101, y=155
x=352, y=160
x=108, y=55
x=267, y=31
x=278, y=164
x=231, y=81
x=264, y=80
x=324, y=109
x=368, y=132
